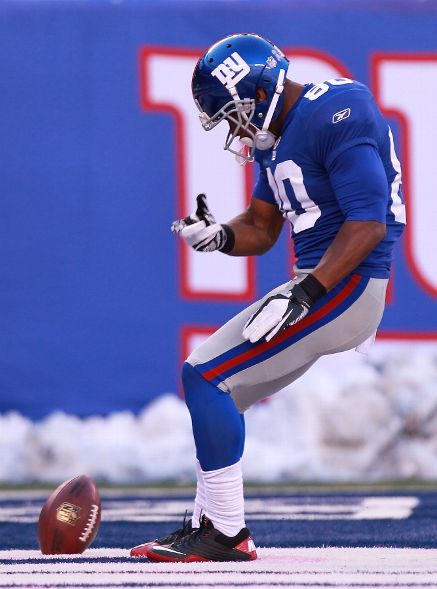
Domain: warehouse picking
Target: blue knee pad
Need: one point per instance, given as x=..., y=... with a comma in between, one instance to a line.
x=218, y=427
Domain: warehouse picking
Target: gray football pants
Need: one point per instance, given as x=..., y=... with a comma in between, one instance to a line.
x=341, y=320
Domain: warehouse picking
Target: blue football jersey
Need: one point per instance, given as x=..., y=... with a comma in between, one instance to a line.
x=334, y=162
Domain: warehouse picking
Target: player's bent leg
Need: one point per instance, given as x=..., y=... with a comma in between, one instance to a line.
x=219, y=436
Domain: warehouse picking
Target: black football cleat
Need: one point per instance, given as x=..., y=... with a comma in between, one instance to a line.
x=206, y=544
x=186, y=529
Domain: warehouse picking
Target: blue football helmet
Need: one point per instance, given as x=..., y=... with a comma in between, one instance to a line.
x=224, y=85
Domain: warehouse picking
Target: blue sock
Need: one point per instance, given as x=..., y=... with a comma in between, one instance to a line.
x=218, y=427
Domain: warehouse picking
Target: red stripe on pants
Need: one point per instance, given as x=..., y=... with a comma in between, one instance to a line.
x=288, y=332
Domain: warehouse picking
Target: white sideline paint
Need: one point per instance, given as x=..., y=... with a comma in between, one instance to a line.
x=272, y=508
x=293, y=567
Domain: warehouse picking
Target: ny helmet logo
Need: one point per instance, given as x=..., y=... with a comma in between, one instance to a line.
x=231, y=71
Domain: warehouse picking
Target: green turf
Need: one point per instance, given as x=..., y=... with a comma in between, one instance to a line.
x=284, y=487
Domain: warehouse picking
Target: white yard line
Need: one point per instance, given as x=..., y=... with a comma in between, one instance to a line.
x=291, y=567
x=271, y=508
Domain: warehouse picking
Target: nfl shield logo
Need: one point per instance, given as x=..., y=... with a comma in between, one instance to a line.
x=68, y=513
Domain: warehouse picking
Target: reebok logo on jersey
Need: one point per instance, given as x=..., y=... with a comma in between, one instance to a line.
x=231, y=71
x=341, y=115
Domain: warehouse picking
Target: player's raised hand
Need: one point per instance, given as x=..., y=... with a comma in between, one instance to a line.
x=202, y=214
x=201, y=232
x=283, y=309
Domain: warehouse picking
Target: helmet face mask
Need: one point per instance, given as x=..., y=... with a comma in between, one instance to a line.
x=225, y=83
x=239, y=114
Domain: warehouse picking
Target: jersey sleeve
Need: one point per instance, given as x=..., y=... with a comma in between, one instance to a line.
x=346, y=119
x=262, y=189
x=360, y=185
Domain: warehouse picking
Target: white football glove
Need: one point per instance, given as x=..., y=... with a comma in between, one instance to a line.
x=201, y=232
x=283, y=309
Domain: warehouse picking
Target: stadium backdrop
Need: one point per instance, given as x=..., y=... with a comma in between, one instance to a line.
x=100, y=149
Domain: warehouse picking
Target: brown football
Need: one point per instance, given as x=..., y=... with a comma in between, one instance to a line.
x=70, y=517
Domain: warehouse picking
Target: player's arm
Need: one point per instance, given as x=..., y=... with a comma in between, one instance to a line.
x=353, y=243
x=251, y=233
x=359, y=181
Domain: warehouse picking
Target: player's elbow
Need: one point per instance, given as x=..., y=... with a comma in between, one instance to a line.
x=379, y=231
x=267, y=243
x=374, y=232
x=369, y=233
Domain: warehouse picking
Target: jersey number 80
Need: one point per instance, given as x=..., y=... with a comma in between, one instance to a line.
x=320, y=89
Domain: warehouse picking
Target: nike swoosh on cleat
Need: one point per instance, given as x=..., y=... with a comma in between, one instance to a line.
x=159, y=549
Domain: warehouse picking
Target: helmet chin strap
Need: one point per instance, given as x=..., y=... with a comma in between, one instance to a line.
x=265, y=139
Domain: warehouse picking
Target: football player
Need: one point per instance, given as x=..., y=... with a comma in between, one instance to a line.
x=327, y=165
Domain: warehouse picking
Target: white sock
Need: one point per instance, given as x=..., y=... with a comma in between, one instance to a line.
x=200, y=499
x=224, y=498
